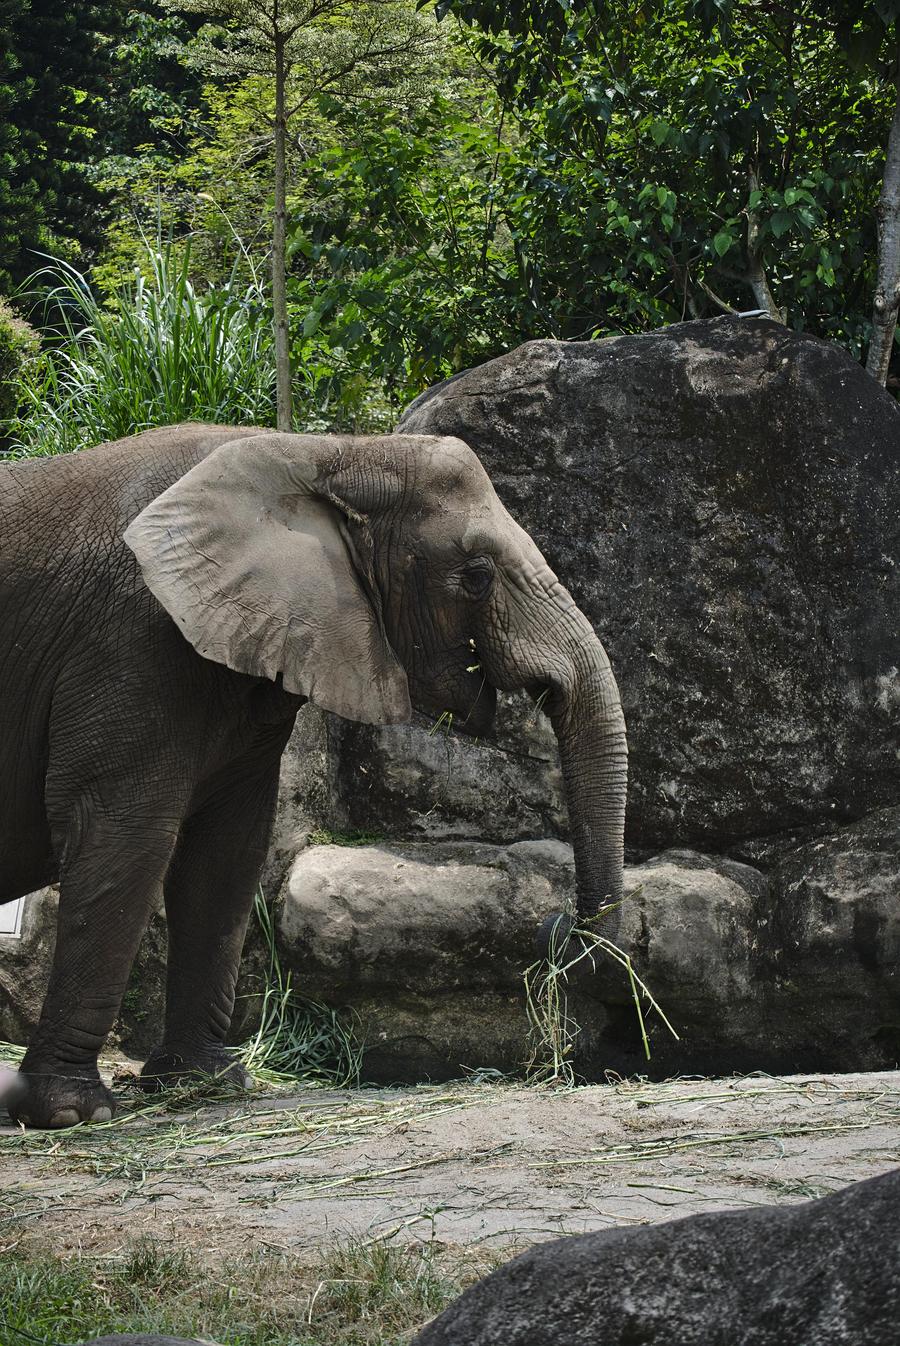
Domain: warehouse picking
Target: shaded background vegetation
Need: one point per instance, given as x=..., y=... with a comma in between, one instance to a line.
x=458, y=180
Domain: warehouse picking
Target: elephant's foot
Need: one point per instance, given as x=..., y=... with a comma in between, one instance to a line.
x=50, y=1096
x=169, y=1067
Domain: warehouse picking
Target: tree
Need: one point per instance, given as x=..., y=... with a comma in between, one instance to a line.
x=306, y=47
x=765, y=119
x=887, y=289
x=55, y=70
x=869, y=33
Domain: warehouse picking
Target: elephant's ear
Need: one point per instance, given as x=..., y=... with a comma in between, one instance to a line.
x=263, y=571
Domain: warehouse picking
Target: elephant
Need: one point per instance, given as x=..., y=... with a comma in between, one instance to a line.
x=168, y=602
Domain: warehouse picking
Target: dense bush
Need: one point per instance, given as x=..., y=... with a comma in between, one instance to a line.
x=527, y=170
x=163, y=351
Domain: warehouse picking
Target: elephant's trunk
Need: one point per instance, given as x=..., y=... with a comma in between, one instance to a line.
x=555, y=653
x=590, y=729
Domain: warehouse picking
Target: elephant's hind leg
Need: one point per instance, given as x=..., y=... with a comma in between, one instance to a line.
x=112, y=867
x=209, y=896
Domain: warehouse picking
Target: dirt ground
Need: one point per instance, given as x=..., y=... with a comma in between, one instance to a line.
x=467, y=1164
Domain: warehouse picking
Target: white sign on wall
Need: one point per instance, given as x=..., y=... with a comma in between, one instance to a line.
x=11, y=918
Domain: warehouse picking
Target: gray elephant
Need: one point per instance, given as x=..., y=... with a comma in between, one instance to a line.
x=167, y=604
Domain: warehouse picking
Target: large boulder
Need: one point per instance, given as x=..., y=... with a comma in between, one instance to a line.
x=427, y=944
x=723, y=500
x=824, y=1272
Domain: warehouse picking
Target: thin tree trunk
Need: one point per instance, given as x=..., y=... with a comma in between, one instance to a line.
x=756, y=272
x=279, y=285
x=887, y=288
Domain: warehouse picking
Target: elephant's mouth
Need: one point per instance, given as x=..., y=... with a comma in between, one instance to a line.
x=468, y=710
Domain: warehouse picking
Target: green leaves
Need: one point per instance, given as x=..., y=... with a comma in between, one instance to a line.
x=780, y=222
x=590, y=169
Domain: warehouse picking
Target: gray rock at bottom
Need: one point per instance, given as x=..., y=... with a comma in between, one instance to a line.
x=824, y=1273
x=143, y=1340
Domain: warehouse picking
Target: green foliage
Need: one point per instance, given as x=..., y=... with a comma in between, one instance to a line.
x=19, y=346
x=157, y=97
x=565, y=170
x=324, y=45
x=711, y=165
x=398, y=276
x=163, y=351
x=55, y=67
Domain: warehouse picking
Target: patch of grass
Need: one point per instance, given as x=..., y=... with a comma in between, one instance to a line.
x=324, y=836
x=354, y=1294
x=299, y=1040
x=554, y=1031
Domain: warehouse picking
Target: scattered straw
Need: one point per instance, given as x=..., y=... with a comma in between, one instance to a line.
x=554, y=1031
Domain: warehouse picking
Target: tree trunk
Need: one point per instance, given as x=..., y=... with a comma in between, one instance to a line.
x=279, y=284
x=887, y=288
x=756, y=272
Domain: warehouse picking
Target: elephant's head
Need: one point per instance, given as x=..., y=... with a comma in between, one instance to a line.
x=379, y=574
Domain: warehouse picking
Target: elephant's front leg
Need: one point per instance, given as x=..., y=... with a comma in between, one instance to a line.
x=209, y=896
x=111, y=871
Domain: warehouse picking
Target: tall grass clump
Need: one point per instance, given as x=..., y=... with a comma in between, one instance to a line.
x=298, y=1040
x=161, y=350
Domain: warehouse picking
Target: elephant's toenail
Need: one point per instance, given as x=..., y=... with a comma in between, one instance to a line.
x=65, y=1117
x=101, y=1114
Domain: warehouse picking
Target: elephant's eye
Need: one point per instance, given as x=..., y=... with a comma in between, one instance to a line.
x=477, y=576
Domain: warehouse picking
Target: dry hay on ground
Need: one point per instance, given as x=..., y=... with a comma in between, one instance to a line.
x=470, y=1163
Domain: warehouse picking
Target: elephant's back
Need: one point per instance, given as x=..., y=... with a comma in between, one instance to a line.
x=48, y=503
x=65, y=571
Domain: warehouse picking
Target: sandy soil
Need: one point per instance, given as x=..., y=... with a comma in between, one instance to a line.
x=468, y=1163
